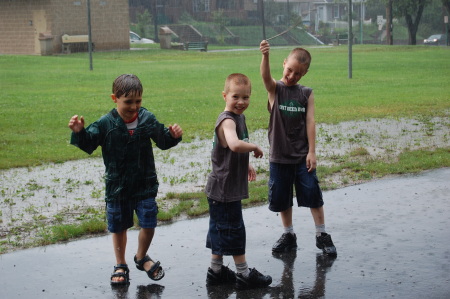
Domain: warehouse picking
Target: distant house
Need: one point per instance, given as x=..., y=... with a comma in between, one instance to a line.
x=22, y=21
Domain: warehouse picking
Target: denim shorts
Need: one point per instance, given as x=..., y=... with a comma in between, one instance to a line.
x=226, y=234
x=120, y=214
x=283, y=177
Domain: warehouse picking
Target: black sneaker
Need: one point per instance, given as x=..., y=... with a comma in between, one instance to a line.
x=254, y=280
x=286, y=242
x=226, y=275
x=325, y=243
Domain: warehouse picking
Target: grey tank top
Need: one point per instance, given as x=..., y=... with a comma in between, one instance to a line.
x=228, y=180
x=287, y=126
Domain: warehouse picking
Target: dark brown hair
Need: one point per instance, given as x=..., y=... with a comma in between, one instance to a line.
x=301, y=55
x=127, y=84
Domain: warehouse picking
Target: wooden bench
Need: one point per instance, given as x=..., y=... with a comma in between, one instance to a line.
x=71, y=42
x=202, y=46
x=340, y=38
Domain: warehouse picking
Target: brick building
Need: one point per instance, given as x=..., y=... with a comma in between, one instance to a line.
x=21, y=22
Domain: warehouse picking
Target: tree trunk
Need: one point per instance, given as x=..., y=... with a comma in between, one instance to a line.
x=413, y=25
x=389, y=27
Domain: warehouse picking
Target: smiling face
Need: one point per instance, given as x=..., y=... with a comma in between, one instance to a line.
x=127, y=94
x=237, y=97
x=293, y=71
x=128, y=106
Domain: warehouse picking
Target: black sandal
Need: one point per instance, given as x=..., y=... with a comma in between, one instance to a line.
x=125, y=274
x=156, y=267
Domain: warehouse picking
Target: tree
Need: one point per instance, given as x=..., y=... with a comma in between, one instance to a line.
x=412, y=11
x=446, y=4
x=389, y=24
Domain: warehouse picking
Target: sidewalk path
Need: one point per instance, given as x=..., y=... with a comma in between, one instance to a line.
x=392, y=237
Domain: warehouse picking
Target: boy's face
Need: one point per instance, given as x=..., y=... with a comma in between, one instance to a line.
x=237, y=98
x=127, y=106
x=293, y=71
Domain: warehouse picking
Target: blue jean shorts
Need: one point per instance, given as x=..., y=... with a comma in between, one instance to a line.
x=120, y=214
x=283, y=179
x=226, y=234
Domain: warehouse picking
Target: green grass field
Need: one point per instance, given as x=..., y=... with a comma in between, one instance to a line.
x=40, y=94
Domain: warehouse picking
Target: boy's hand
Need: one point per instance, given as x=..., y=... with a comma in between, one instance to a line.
x=175, y=131
x=258, y=153
x=75, y=124
x=251, y=173
x=311, y=162
x=264, y=47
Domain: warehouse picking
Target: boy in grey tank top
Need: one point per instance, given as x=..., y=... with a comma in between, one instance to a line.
x=292, y=134
x=227, y=185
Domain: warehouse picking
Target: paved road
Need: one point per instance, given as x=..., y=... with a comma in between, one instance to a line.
x=392, y=237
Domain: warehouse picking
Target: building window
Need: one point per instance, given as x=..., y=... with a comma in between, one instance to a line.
x=226, y=4
x=201, y=5
x=336, y=11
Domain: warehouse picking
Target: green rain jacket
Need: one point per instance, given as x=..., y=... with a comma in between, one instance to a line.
x=130, y=172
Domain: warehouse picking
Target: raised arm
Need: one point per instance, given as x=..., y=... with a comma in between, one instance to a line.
x=268, y=80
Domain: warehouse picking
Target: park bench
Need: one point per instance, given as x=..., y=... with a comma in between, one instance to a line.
x=341, y=37
x=202, y=46
x=72, y=42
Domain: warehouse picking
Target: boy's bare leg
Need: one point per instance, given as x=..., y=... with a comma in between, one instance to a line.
x=286, y=217
x=239, y=259
x=318, y=215
x=144, y=240
x=119, y=244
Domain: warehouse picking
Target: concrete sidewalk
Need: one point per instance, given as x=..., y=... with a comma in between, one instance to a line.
x=392, y=237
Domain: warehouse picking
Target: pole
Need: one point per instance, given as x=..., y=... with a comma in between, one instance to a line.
x=361, y=21
x=89, y=34
x=447, y=31
x=155, y=19
x=350, y=39
x=262, y=18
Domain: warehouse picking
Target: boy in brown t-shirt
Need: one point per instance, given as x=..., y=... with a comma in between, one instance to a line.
x=227, y=185
x=292, y=133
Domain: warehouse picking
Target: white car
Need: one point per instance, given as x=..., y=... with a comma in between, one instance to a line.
x=136, y=39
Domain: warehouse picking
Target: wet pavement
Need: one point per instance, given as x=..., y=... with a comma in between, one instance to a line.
x=392, y=237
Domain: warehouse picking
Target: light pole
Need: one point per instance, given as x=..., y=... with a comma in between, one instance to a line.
x=89, y=34
x=446, y=29
x=350, y=39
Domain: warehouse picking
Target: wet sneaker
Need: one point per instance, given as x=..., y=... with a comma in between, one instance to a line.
x=254, y=280
x=226, y=275
x=286, y=242
x=325, y=243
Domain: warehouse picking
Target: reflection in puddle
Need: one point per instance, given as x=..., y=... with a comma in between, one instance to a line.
x=153, y=291
x=323, y=264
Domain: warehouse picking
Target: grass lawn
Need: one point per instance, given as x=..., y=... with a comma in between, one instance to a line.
x=40, y=94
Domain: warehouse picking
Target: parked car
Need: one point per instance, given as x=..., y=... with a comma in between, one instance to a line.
x=435, y=39
x=136, y=39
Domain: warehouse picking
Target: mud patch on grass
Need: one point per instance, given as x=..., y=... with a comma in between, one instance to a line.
x=33, y=199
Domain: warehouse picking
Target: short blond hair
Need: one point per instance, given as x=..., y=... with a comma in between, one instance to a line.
x=238, y=79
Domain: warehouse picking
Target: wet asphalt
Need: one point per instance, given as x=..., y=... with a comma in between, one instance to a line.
x=392, y=237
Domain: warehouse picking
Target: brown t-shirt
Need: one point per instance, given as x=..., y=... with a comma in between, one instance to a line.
x=228, y=180
x=287, y=126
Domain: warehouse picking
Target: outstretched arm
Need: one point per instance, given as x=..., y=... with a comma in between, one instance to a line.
x=228, y=137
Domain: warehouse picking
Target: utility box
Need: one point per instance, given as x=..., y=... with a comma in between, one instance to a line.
x=165, y=37
x=46, y=41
